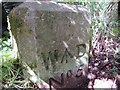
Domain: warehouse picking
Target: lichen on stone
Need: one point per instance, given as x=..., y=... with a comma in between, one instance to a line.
x=18, y=23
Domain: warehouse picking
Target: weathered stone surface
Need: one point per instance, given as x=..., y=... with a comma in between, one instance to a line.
x=51, y=36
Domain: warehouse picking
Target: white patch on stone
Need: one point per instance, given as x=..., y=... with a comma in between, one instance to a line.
x=65, y=44
x=78, y=38
x=72, y=21
x=13, y=41
x=77, y=60
x=82, y=9
x=69, y=7
x=84, y=60
x=38, y=2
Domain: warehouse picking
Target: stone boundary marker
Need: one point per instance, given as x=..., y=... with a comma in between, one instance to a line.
x=52, y=38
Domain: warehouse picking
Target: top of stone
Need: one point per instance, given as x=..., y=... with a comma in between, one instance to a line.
x=53, y=6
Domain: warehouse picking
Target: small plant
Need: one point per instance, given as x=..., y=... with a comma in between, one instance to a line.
x=10, y=69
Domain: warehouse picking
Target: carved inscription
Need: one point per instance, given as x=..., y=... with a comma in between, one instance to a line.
x=53, y=56
x=59, y=83
x=65, y=55
x=63, y=79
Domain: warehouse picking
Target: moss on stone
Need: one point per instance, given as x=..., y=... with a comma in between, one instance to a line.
x=17, y=24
